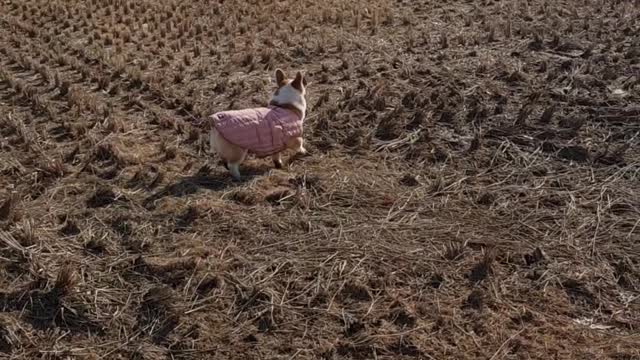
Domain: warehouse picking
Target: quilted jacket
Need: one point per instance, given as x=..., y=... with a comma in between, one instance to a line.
x=263, y=131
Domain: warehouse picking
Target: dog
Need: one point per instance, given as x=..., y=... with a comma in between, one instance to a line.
x=265, y=131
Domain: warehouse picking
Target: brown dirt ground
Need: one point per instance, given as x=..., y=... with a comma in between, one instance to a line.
x=472, y=189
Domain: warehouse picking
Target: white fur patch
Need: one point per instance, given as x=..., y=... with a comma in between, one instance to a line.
x=290, y=95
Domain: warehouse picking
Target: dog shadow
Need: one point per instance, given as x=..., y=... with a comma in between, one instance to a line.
x=204, y=179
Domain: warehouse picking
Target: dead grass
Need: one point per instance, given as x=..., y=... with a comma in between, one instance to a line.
x=471, y=189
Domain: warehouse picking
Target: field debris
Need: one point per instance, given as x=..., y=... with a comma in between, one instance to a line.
x=471, y=191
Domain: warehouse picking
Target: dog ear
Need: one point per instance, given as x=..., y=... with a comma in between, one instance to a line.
x=280, y=77
x=298, y=82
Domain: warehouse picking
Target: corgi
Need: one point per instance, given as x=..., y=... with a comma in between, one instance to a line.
x=265, y=131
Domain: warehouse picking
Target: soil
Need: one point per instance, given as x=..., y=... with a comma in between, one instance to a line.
x=471, y=190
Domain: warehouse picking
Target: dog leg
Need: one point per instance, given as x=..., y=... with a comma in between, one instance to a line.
x=234, y=169
x=277, y=160
x=300, y=147
x=297, y=144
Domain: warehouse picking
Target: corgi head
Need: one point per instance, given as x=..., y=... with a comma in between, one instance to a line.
x=290, y=92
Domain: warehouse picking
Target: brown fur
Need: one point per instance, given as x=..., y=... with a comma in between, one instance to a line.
x=297, y=82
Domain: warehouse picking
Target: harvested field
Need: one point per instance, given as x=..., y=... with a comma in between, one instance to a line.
x=472, y=189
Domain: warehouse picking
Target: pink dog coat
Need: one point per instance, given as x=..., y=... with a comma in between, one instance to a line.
x=262, y=131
